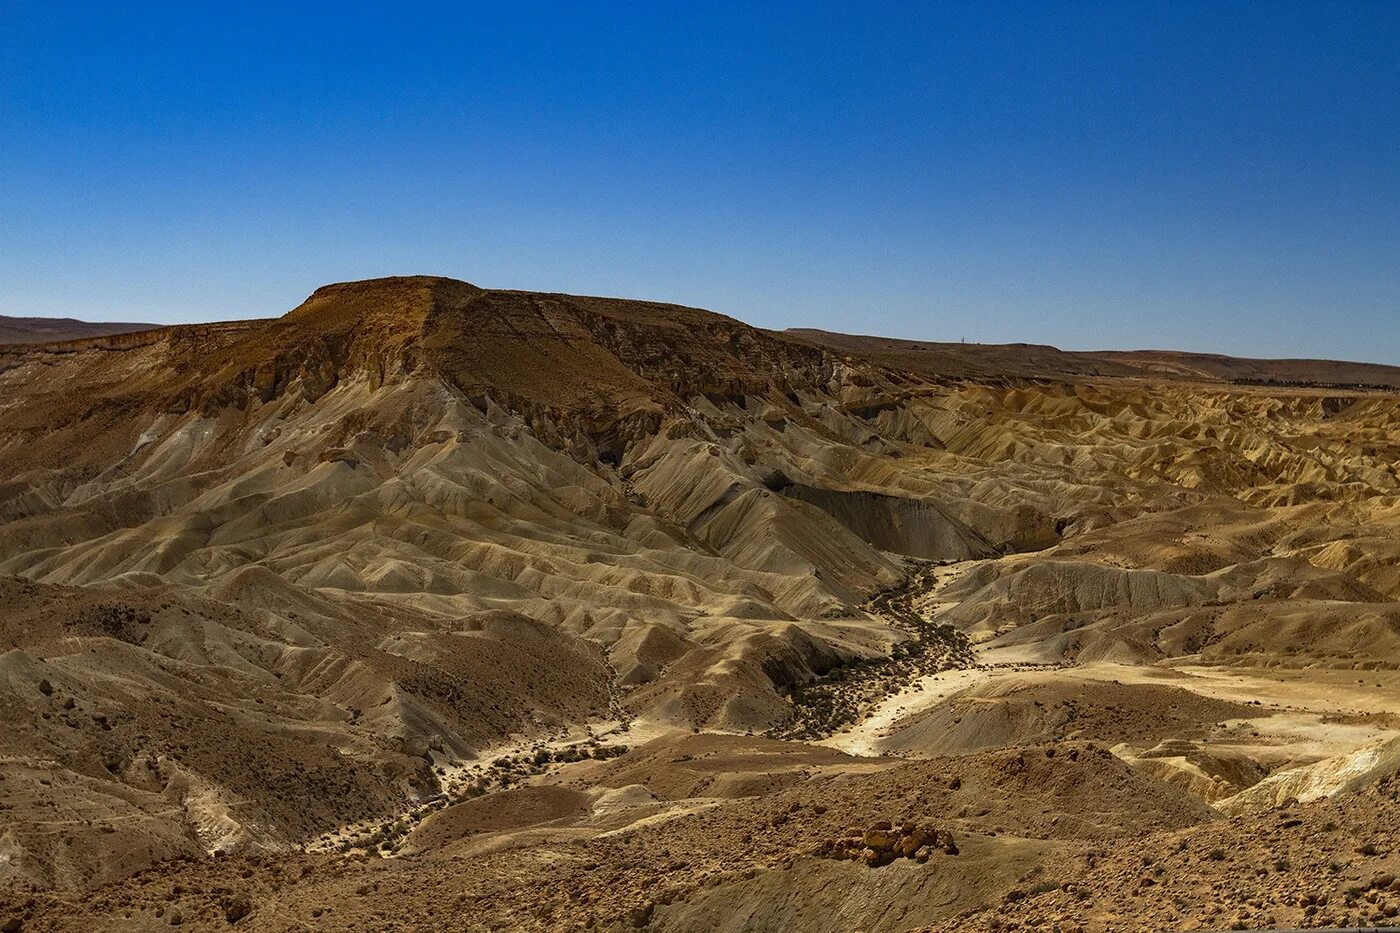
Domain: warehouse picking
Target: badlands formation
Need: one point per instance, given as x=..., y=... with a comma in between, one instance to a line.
x=430, y=607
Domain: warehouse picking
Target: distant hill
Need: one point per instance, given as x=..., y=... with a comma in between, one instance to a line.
x=47, y=329
x=990, y=360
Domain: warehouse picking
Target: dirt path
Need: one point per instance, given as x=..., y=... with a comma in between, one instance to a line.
x=863, y=737
x=1304, y=716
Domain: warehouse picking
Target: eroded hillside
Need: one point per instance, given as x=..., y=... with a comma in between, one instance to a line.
x=420, y=573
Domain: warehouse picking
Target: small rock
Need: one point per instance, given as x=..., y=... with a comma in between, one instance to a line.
x=875, y=858
x=236, y=907
x=641, y=916
x=880, y=838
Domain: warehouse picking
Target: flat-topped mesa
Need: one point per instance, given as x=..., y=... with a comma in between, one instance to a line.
x=369, y=328
x=400, y=302
x=587, y=375
x=595, y=357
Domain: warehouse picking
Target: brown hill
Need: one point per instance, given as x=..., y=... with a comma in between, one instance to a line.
x=1022, y=360
x=50, y=329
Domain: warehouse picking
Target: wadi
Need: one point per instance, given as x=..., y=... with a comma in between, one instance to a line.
x=425, y=606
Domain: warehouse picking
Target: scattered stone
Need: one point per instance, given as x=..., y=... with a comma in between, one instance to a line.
x=236, y=907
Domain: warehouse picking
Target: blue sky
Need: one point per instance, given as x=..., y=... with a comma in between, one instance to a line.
x=1206, y=176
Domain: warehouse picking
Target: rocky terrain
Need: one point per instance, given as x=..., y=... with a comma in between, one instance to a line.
x=427, y=606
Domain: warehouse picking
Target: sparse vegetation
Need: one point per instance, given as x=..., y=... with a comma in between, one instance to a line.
x=386, y=837
x=845, y=693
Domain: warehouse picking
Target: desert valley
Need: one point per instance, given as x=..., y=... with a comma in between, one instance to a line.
x=431, y=607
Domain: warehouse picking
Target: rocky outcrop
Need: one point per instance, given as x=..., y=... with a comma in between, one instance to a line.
x=883, y=842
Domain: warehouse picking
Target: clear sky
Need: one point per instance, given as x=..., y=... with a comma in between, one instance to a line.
x=1207, y=176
